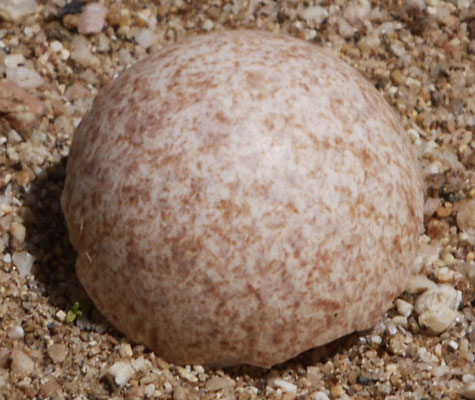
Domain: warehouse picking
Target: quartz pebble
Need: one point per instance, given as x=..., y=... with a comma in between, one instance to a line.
x=285, y=385
x=21, y=364
x=219, y=383
x=121, y=372
x=57, y=352
x=23, y=262
x=24, y=77
x=16, y=332
x=468, y=391
x=92, y=18
x=16, y=10
x=437, y=308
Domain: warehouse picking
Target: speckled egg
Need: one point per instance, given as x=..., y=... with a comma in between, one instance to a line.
x=241, y=197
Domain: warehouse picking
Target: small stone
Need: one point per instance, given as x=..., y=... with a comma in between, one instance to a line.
x=145, y=38
x=125, y=350
x=337, y=391
x=419, y=283
x=16, y=332
x=468, y=391
x=285, y=385
x=187, y=374
x=24, y=77
x=61, y=315
x=319, y=396
x=21, y=364
x=14, y=60
x=16, y=10
x=57, y=352
x=207, y=25
x=397, y=77
x=437, y=308
x=404, y=308
x=466, y=215
x=19, y=108
x=81, y=52
x=92, y=18
x=23, y=262
x=120, y=372
x=51, y=389
x=18, y=233
x=216, y=383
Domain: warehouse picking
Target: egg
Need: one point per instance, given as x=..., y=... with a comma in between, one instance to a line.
x=241, y=197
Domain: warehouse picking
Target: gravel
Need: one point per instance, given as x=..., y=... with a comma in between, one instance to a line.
x=420, y=56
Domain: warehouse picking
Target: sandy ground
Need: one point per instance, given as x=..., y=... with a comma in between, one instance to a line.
x=54, y=57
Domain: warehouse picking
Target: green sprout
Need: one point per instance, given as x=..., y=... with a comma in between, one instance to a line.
x=79, y=308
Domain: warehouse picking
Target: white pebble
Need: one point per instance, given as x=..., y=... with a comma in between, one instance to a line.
x=14, y=60
x=404, y=308
x=453, y=345
x=16, y=332
x=285, y=386
x=419, y=283
x=23, y=262
x=319, y=396
x=61, y=315
x=437, y=308
x=149, y=390
x=24, y=77
x=81, y=52
x=376, y=339
x=207, y=25
x=145, y=38
x=187, y=375
x=121, y=372
x=92, y=18
x=16, y=10
x=315, y=14
x=56, y=46
x=468, y=391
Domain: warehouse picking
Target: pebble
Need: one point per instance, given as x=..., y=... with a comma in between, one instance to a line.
x=216, y=383
x=145, y=38
x=16, y=332
x=21, y=364
x=92, y=18
x=404, y=308
x=419, y=283
x=285, y=385
x=437, y=308
x=16, y=10
x=468, y=391
x=120, y=372
x=23, y=262
x=187, y=375
x=24, y=77
x=21, y=109
x=125, y=350
x=319, y=396
x=81, y=52
x=14, y=60
x=57, y=352
x=466, y=215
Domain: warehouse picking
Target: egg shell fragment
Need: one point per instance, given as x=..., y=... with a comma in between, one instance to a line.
x=241, y=197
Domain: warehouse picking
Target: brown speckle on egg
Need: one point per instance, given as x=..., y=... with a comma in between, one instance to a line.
x=241, y=197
